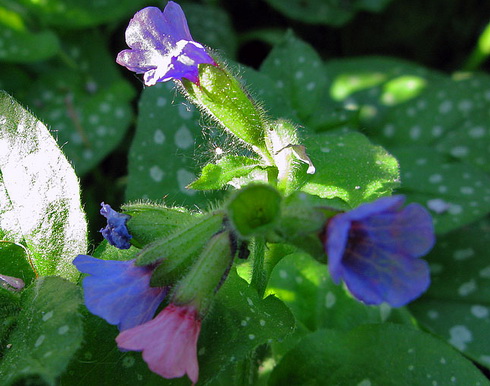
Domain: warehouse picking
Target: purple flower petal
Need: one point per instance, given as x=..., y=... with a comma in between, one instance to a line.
x=119, y=291
x=115, y=232
x=162, y=47
x=374, y=249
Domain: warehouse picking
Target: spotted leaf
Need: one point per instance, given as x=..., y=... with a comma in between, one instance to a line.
x=48, y=332
x=374, y=355
x=352, y=168
x=457, y=305
x=162, y=158
x=455, y=193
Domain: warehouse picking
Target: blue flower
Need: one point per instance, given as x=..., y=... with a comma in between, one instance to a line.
x=119, y=291
x=115, y=231
x=162, y=47
x=375, y=250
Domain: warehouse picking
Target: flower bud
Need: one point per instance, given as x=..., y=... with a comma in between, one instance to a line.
x=207, y=274
x=222, y=96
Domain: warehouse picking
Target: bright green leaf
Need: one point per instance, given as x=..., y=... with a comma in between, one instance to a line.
x=14, y=261
x=374, y=355
x=457, y=304
x=216, y=176
x=48, y=332
x=39, y=193
x=349, y=167
x=305, y=286
x=239, y=322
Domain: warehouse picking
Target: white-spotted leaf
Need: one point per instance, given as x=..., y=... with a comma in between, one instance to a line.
x=39, y=193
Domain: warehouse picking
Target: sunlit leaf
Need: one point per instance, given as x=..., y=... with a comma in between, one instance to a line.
x=39, y=193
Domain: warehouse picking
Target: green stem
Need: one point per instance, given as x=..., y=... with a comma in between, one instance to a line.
x=259, y=275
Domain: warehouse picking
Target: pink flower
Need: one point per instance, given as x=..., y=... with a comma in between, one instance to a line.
x=168, y=342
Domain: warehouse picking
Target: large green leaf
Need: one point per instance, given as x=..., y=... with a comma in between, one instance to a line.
x=349, y=167
x=379, y=354
x=305, y=286
x=455, y=192
x=162, y=158
x=39, y=193
x=239, y=322
x=87, y=104
x=457, y=304
x=211, y=26
x=48, y=332
x=298, y=72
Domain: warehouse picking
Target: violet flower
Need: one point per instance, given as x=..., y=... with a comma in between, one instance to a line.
x=168, y=342
x=162, y=47
x=115, y=231
x=375, y=247
x=119, y=291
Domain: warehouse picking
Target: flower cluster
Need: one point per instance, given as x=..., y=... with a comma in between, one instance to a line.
x=374, y=249
x=121, y=293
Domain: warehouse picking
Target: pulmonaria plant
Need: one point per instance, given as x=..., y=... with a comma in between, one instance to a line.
x=375, y=248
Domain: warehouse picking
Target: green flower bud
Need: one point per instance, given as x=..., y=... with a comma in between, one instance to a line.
x=222, y=96
x=175, y=251
x=254, y=210
x=150, y=222
x=207, y=274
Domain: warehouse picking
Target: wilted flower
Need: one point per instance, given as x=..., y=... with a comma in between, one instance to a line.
x=115, y=231
x=162, y=47
x=168, y=342
x=375, y=250
x=119, y=291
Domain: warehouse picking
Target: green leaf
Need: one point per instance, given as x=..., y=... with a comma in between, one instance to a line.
x=216, y=176
x=88, y=103
x=211, y=26
x=349, y=167
x=163, y=152
x=305, y=286
x=23, y=46
x=14, y=261
x=39, y=193
x=456, y=193
x=48, y=332
x=334, y=13
x=99, y=361
x=457, y=305
x=239, y=322
x=78, y=14
x=361, y=90
x=298, y=73
x=374, y=355
x=9, y=309
x=450, y=114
